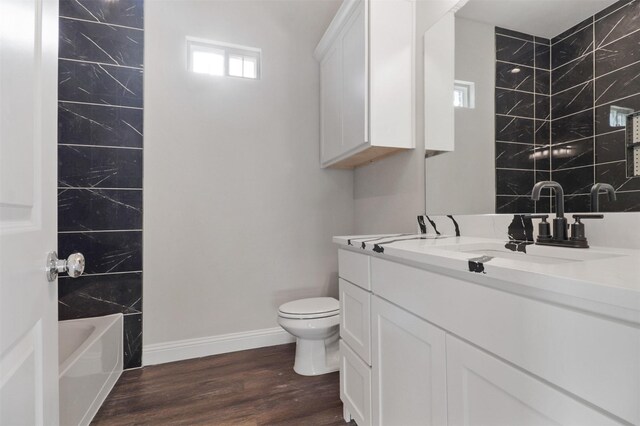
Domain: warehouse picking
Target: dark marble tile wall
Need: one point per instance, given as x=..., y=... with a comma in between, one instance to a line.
x=523, y=119
x=594, y=68
x=100, y=161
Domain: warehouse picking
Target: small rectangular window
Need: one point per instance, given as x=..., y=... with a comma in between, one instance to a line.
x=464, y=94
x=223, y=59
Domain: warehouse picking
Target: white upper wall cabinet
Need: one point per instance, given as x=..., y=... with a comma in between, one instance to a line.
x=367, y=82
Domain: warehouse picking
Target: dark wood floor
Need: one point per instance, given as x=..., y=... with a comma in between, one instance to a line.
x=255, y=387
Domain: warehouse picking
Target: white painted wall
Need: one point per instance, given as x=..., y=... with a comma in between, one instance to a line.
x=389, y=194
x=463, y=181
x=238, y=214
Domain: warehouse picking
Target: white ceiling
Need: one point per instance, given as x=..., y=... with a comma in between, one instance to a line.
x=543, y=18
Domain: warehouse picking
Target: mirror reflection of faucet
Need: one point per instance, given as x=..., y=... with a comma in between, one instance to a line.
x=603, y=188
x=560, y=237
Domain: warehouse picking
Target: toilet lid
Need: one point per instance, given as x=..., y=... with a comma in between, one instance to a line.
x=311, y=306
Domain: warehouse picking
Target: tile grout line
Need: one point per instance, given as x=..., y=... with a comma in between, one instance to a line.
x=521, y=39
x=593, y=30
x=100, y=274
x=75, y=188
x=83, y=61
x=99, y=22
x=101, y=146
x=60, y=101
x=104, y=231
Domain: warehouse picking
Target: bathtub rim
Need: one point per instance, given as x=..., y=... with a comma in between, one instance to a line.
x=101, y=324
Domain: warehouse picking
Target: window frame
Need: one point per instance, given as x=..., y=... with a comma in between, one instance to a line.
x=469, y=90
x=229, y=49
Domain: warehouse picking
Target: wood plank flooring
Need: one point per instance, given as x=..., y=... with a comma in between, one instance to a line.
x=254, y=387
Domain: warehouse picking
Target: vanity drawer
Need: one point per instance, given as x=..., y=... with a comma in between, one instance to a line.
x=590, y=356
x=355, y=386
x=355, y=268
x=355, y=324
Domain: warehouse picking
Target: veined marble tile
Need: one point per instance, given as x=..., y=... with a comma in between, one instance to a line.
x=97, y=295
x=99, y=125
x=99, y=209
x=99, y=84
x=98, y=167
x=88, y=41
x=129, y=13
x=104, y=252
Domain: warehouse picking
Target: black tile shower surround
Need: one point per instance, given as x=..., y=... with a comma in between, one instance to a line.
x=100, y=137
x=593, y=66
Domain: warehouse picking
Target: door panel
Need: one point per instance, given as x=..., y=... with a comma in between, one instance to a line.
x=408, y=368
x=483, y=390
x=354, y=86
x=355, y=319
x=28, y=129
x=331, y=104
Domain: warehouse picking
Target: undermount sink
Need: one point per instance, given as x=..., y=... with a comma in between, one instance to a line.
x=534, y=253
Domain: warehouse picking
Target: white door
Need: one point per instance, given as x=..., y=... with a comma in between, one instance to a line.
x=408, y=368
x=483, y=390
x=28, y=129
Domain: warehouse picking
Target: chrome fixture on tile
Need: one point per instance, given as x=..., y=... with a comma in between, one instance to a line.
x=596, y=190
x=560, y=227
x=73, y=265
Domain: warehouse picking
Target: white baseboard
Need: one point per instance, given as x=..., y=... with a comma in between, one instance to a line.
x=160, y=353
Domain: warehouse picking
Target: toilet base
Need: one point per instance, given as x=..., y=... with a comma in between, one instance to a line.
x=316, y=357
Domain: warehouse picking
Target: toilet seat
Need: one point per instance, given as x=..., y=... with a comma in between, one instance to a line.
x=315, y=307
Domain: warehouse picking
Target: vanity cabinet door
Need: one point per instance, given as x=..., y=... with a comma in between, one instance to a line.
x=355, y=386
x=408, y=368
x=355, y=322
x=483, y=390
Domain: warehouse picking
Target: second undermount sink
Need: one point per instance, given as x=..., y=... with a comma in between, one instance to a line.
x=534, y=253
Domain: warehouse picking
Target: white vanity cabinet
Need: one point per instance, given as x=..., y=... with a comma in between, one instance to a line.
x=441, y=350
x=366, y=82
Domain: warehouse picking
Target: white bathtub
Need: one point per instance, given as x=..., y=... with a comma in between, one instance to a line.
x=90, y=356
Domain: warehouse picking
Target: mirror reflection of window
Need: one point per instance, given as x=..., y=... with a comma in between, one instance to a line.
x=464, y=94
x=618, y=116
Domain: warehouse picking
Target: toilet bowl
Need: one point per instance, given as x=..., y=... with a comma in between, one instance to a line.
x=315, y=324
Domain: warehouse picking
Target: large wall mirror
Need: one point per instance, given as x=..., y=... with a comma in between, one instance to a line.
x=542, y=90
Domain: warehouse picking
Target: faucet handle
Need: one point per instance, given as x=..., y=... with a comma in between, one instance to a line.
x=577, y=228
x=544, y=217
x=544, y=228
x=577, y=217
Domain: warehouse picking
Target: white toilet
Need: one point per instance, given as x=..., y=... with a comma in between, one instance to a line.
x=315, y=324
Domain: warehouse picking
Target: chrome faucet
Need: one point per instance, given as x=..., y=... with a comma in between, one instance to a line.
x=560, y=222
x=595, y=195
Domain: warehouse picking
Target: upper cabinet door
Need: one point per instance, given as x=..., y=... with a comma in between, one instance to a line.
x=331, y=103
x=354, y=80
x=408, y=368
x=483, y=390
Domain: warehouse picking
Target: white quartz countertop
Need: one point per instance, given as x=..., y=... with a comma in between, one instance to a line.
x=611, y=278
